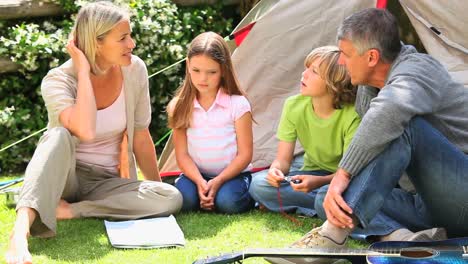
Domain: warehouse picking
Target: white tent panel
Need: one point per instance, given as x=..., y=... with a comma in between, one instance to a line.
x=450, y=46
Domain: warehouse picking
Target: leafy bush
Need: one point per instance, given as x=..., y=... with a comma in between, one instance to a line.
x=5, y=115
x=161, y=31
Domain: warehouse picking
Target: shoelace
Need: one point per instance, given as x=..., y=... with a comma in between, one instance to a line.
x=305, y=241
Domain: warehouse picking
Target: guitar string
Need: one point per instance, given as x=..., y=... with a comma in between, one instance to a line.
x=345, y=251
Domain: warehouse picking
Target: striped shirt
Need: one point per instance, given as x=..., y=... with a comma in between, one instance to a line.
x=211, y=138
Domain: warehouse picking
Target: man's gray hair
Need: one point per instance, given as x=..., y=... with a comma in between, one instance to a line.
x=372, y=28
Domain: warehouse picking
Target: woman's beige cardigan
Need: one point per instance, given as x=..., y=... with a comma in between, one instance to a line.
x=59, y=89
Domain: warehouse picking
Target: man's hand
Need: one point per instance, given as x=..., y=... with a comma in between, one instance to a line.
x=308, y=183
x=337, y=210
x=275, y=177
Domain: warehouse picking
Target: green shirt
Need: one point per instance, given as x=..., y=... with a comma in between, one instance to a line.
x=324, y=140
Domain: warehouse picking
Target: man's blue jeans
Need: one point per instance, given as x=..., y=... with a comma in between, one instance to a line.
x=232, y=197
x=436, y=167
x=399, y=203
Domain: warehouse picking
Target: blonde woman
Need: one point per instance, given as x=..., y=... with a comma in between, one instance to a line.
x=99, y=111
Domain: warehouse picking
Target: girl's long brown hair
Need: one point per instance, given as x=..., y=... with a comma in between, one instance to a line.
x=212, y=45
x=335, y=75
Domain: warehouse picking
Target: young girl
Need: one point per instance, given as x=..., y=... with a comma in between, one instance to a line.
x=212, y=131
x=323, y=119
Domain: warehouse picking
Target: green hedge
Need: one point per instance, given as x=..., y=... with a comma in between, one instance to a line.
x=161, y=30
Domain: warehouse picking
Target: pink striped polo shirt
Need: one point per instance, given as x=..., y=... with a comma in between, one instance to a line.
x=211, y=138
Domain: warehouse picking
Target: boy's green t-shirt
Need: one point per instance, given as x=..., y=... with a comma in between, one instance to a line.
x=324, y=140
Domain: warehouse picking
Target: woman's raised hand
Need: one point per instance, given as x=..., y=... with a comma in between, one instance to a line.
x=79, y=59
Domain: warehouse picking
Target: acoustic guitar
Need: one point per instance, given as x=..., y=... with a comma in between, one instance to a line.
x=445, y=251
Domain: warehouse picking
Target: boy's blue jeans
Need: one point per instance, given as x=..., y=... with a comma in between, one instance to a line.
x=292, y=201
x=232, y=197
x=436, y=167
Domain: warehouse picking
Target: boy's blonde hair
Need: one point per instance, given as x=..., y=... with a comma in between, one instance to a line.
x=335, y=75
x=93, y=23
x=213, y=46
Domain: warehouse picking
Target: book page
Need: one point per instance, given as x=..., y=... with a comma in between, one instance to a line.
x=145, y=233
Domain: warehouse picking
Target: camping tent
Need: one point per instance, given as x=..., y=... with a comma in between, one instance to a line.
x=277, y=35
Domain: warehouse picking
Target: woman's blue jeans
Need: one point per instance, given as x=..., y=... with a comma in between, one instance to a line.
x=436, y=167
x=232, y=197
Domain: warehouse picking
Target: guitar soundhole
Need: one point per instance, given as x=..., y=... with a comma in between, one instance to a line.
x=417, y=253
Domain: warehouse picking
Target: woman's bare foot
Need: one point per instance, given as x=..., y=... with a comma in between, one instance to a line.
x=18, y=252
x=63, y=210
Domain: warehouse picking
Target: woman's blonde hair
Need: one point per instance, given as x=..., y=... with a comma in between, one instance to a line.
x=93, y=23
x=335, y=75
x=212, y=45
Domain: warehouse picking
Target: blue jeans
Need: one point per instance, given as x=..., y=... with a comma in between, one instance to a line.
x=436, y=167
x=232, y=197
x=292, y=201
x=400, y=203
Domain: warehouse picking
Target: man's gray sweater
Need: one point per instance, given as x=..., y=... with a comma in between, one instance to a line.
x=417, y=85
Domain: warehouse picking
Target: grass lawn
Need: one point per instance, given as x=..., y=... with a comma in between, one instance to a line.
x=206, y=234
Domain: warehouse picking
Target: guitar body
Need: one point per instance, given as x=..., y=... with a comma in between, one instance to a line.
x=446, y=251
x=449, y=251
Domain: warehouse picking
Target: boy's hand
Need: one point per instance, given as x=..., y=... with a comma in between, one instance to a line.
x=275, y=177
x=307, y=183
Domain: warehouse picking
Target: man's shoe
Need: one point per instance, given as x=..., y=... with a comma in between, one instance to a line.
x=313, y=239
x=433, y=234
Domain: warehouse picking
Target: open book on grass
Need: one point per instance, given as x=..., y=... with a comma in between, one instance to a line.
x=145, y=233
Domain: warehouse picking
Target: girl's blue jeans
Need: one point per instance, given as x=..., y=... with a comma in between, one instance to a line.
x=232, y=197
